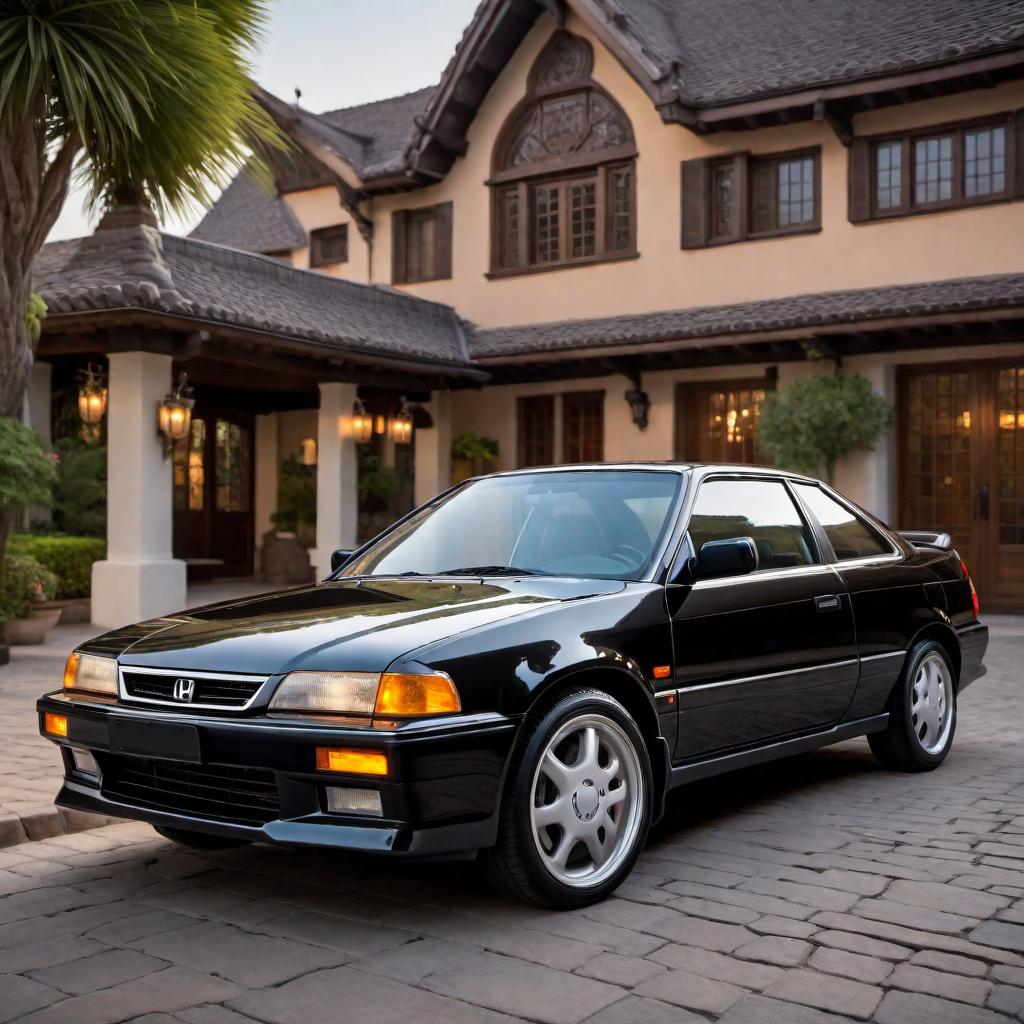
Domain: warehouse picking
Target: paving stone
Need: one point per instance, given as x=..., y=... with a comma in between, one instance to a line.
x=850, y=965
x=950, y=962
x=810, y=895
x=997, y=933
x=102, y=970
x=692, y=991
x=717, y=966
x=759, y=1010
x=639, y=1010
x=713, y=911
x=1009, y=975
x=20, y=996
x=149, y=922
x=939, y=983
x=212, y=1014
x=776, y=950
x=916, y=1008
x=921, y=918
x=946, y=898
x=523, y=989
x=856, y=943
x=413, y=961
x=825, y=992
x=48, y=952
x=616, y=969
x=706, y=934
x=335, y=932
x=788, y=927
x=749, y=900
x=1007, y=999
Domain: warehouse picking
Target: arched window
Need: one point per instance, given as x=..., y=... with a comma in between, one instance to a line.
x=563, y=182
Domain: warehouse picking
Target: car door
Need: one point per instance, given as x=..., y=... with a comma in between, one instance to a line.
x=766, y=653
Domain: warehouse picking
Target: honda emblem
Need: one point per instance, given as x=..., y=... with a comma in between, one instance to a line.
x=184, y=690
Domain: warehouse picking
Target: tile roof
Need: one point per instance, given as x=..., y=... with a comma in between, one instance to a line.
x=798, y=311
x=140, y=268
x=252, y=217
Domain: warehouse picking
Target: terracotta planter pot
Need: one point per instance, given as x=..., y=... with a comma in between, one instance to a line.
x=32, y=630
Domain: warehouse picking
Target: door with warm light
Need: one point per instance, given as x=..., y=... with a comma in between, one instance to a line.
x=213, y=495
x=962, y=468
x=717, y=421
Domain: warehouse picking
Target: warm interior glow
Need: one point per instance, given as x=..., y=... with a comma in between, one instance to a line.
x=380, y=424
x=175, y=419
x=308, y=451
x=348, y=759
x=362, y=424
x=401, y=427
x=70, y=670
x=402, y=694
x=55, y=725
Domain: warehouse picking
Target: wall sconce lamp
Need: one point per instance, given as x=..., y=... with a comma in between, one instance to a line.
x=362, y=423
x=92, y=400
x=401, y=424
x=307, y=449
x=639, y=405
x=174, y=413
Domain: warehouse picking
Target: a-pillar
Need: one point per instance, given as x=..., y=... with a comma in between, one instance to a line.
x=433, y=465
x=139, y=579
x=337, y=476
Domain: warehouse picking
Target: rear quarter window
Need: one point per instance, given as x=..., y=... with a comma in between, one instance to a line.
x=849, y=535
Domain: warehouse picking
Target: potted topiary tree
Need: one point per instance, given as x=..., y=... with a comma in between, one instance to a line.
x=812, y=423
x=27, y=587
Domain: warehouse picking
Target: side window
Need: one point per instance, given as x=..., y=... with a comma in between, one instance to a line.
x=759, y=509
x=849, y=535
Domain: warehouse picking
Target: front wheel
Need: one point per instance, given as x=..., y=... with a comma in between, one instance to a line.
x=577, y=805
x=922, y=713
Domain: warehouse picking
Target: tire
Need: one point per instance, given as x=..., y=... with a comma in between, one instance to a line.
x=922, y=713
x=565, y=840
x=199, y=840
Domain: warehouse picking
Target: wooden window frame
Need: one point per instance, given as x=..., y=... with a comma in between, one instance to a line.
x=317, y=238
x=525, y=406
x=864, y=161
x=442, y=214
x=684, y=413
x=569, y=398
x=698, y=209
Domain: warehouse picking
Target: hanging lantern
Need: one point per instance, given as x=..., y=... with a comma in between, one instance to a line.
x=362, y=423
x=175, y=413
x=308, y=451
x=401, y=425
x=92, y=395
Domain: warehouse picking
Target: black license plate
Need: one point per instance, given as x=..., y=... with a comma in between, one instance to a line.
x=164, y=740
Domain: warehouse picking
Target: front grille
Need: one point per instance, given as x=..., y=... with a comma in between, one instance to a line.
x=210, y=691
x=222, y=792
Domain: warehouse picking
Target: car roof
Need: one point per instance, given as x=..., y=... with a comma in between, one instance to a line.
x=672, y=467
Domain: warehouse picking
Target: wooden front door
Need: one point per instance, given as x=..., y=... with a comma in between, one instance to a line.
x=213, y=481
x=962, y=468
x=717, y=421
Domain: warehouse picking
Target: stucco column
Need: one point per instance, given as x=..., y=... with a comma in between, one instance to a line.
x=337, y=476
x=265, y=484
x=433, y=465
x=139, y=578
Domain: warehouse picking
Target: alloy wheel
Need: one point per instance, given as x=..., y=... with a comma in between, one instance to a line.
x=931, y=703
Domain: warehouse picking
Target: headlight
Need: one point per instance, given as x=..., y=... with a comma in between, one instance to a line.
x=367, y=693
x=89, y=674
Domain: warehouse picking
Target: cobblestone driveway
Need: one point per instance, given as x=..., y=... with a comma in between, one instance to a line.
x=815, y=890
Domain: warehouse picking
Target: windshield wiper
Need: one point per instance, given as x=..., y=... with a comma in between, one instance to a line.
x=489, y=570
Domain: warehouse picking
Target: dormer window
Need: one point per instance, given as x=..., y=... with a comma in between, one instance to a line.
x=563, y=184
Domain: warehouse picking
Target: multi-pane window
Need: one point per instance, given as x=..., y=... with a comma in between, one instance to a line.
x=547, y=209
x=583, y=426
x=782, y=193
x=719, y=421
x=328, y=245
x=536, y=423
x=723, y=199
x=421, y=244
x=933, y=169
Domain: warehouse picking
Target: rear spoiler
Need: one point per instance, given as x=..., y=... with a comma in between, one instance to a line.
x=928, y=539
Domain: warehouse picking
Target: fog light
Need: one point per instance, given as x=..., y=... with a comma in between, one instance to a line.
x=85, y=762
x=354, y=801
x=55, y=725
x=348, y=759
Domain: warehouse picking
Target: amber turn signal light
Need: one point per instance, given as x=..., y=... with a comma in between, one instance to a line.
x=349, y=759
x=70, y=670
x=55, y=725
x=662, y=671
x=406, y=694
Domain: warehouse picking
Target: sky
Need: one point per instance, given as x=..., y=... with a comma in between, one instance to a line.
x=339, y=53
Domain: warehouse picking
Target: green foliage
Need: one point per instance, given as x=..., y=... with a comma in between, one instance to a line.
x=68, y=558
x=80, y=493
x=27, y=473
x=296, y=499
x=35, y=312
x=25, y=583
x=158, y=94
x=815, y=421
x=471, y=446
x=377, y=484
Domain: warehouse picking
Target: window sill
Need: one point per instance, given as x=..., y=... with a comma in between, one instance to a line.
x=945, y=207
x=760, y=236
x=544, y=268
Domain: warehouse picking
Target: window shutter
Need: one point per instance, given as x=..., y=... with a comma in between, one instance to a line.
x=1018, y=154
x=763, y=194
x=398, y=271
x=443, y=241
x=695, y=203
x=860, y=180
x=740, y=214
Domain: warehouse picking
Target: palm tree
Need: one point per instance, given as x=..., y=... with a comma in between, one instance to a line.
x=149, y=99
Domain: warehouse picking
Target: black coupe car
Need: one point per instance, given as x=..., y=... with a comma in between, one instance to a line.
x=524, y=667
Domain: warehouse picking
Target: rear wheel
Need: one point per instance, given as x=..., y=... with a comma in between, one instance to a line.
x=198, y=840
x=922, y=713
x=577, y=805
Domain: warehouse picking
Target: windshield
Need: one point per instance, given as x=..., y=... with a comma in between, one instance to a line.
x=603, y=523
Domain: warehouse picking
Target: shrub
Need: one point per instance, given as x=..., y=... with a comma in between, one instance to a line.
x=296, y=500
x=471, y=446
x=26, y=583
x=68, y=558
x=80, y=494
x=813, y=422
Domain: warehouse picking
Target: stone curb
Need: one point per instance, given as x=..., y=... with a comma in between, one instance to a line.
x=47, y=822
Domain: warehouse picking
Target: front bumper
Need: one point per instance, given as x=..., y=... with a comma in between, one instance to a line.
x=440, y=795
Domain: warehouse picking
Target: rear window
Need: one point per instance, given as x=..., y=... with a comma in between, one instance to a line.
x=848, y=534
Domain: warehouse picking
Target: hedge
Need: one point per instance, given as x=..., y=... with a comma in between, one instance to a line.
x=69, y=558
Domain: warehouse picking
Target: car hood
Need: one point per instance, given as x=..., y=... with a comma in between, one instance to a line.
x=355, y=625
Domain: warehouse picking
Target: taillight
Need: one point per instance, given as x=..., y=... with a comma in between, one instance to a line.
x=970, y=583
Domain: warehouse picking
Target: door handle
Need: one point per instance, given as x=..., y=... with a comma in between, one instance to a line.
x=829, y=603
x=983, y=501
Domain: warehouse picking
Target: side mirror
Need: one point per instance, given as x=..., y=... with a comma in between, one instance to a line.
x=733, y=557
x=340, y=557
